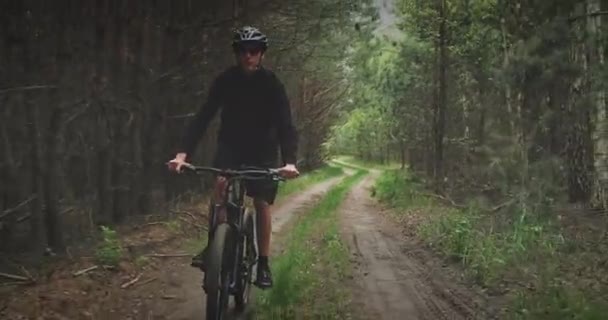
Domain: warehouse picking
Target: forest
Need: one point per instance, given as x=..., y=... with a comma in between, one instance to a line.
x=494, y=110
x=96, y=95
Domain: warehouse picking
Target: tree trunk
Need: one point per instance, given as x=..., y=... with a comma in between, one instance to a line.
x=442, y=98
x=105, y=151
x=600, y=133
x=579, y=145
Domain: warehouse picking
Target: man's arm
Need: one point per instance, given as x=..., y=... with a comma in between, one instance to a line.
x=203, y=117
x=288, y=137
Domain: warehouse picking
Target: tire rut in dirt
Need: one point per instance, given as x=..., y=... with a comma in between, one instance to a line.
x=391, y=284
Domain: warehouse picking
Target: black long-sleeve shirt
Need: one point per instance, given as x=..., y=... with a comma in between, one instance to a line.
x=255, y=117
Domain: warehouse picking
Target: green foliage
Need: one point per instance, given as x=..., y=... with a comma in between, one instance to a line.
x=488, y=247
x=173, y=225
x=558, y=301
x=516, y=73
x=521, y=245
x=196, y=245
x=400, y=189
x=289, y=187
x=142, y=261
x=109, y=251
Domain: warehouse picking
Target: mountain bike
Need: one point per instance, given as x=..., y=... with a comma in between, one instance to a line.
x=232, y=251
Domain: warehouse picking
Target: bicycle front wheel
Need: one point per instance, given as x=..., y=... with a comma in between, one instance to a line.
x=217, y=277
x=249, y=256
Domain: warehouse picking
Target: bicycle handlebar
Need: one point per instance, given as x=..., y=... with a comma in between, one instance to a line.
x=248, y=173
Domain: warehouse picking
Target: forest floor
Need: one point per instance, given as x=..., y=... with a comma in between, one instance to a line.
x=338, y=253
x=153, y=280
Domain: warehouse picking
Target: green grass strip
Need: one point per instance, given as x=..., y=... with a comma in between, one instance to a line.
x=314, y=242
x=352, y=162
x=308, y=179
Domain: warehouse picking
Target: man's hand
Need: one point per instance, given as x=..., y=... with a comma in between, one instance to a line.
x=177, y=163
x=289, y=171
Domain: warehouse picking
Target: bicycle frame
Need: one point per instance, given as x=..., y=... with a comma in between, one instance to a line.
x=233, y=202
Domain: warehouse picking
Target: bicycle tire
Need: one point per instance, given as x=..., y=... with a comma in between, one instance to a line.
x=217, y=277
x=245, y=277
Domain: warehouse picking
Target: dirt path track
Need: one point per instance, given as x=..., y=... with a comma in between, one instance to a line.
x=389, y=281
x=183, y=283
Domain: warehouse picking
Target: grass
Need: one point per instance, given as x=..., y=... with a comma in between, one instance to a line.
x=500, y=251
x=195, y=245
x=352, y=162
x=109, y=250
x=306, y=180
x=313, y=248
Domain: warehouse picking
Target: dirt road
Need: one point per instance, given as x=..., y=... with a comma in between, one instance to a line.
x=391, y=282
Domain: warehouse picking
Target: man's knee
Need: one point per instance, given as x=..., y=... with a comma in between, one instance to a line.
x=220, y=186
x=261, y=204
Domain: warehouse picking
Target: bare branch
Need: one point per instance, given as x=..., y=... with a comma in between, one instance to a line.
x=181, y=116
x=588, y=15
x=83, y=271
x=452, y=202
x=27, y=88
x=198, y=225
x=146, y=282
x=12, y=283
x=186, y=213
x=502, y=205
x=18, y=207
x=130, y=283
x=14, y=277
x=168, y=255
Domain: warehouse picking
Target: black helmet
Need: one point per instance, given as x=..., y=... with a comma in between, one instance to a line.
x=249, y=35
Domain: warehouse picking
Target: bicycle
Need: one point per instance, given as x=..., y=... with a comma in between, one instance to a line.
x=232, y=249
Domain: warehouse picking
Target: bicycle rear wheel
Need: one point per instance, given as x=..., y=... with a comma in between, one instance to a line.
x=217, y=277
x=249, y=256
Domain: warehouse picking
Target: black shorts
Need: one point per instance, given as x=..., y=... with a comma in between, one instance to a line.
x=227, y=157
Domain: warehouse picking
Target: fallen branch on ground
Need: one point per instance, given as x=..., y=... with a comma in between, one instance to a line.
x=168, y=255
x=27, y=273
x=145, y=282
x=154, y=223
x=83, y=271
x=186, y=213
x=130, y=283
x=15, y=277
x=26, y=88
x=438, y=196
x=189, y=214
x=198, y=225
x=502, y=205
x=13, y=283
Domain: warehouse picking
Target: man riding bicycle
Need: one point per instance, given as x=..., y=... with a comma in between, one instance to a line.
x=255, y=121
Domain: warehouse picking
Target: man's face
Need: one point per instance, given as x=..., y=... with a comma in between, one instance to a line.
x=249, y=56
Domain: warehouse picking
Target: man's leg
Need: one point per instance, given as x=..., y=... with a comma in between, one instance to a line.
x=264, y=231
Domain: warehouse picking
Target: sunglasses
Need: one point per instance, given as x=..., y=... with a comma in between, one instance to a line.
x=250, y=50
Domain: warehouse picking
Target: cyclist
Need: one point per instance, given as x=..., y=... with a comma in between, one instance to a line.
x=255, y=121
